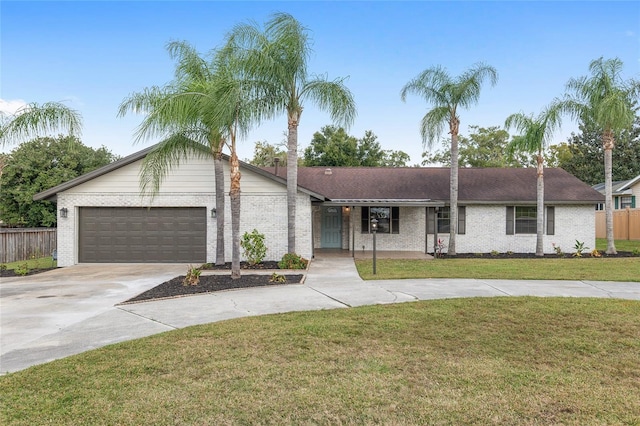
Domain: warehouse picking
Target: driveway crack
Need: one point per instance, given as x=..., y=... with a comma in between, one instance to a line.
x=148, y=319
x=330, y=297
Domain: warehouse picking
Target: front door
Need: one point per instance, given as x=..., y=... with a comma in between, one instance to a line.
x=331, y=227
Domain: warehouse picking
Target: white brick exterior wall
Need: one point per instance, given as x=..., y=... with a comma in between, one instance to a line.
x=264, y=212
x=485, y=231
x=263, y=206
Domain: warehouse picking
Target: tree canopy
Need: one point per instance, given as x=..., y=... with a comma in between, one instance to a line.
x=332, y=146
x=484, y=147
x=38, y=165
x=584, y=157
x=264, y=153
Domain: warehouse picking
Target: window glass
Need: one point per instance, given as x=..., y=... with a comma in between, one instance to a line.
x=383, y=215
x=525, y=219
x=625, y=201
x=444, y=220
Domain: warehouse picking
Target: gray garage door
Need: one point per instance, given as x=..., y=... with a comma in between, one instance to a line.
x=136, y=235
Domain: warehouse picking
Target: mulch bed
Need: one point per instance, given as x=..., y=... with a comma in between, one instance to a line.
x=243, y=265
x=586, y=255
x=12, y=273
x=208, y=284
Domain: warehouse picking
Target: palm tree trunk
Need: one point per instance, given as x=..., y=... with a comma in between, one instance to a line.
x=220, y=205
x=540, y=207
x=608, y=143
x=234, y=195
x=453, y=187
x=292, y=181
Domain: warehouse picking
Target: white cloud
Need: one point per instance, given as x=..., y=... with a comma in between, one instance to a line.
x=10, y=107
x=629, y=33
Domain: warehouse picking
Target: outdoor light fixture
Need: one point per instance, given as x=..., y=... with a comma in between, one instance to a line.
x=213, y=213
x=64, y=212
x=374, y=228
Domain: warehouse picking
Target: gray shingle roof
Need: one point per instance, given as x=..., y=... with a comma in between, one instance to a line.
x=486, y=185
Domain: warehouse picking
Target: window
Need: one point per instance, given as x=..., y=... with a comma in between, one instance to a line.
x=444, y=220
x=523, y=220
x=626, y=201
x=388, y=219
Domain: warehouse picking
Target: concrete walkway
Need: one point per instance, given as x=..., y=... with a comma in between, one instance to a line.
x=71, y=310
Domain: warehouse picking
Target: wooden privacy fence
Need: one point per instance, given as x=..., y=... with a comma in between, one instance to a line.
x=17, y=244
x=626, y=224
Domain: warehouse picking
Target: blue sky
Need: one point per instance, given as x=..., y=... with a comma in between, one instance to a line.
x=91, y=55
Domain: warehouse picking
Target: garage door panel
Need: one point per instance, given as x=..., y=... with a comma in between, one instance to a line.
x=122, y=234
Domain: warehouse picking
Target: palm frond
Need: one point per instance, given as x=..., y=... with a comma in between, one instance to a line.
x=433, y=124
x=165, y=157
x=34, y=119
x=332, y=96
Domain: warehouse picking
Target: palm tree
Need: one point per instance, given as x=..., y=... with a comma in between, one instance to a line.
x=447, y=95
x=204, y=109
x=535, y=134
x=607, y=100
x=278, y=58
x=33, y=119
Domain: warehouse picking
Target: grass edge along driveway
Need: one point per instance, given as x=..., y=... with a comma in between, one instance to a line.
x=579, y=269
x=515, y=360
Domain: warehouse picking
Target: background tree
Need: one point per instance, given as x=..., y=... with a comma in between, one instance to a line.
x=484, y=147
x=38, y=165
x=332, y=146
x=34, y=120
x=557, y=154
x=606, y=100
x=264, y=154
x=278, y=56
x=536, y=132
x=447, y=94
x=584, y=156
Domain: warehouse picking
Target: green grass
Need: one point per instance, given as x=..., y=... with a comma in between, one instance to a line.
x=43, y=262
x=597, y=269
x=461, y=361
x=621, y=245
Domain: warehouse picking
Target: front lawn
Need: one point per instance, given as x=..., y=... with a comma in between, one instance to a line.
x=39, y=263
x=621, y=245
x=478, y=361
x=597, y=269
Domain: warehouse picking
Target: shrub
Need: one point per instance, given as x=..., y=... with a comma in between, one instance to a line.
x=595, y=253
x=192, y=277
x=636, y=251
x=293, y=261
x=277, y=278
x=22, y=269
x=253, y=246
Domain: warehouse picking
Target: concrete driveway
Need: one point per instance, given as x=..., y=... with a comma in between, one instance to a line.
x=71, y=310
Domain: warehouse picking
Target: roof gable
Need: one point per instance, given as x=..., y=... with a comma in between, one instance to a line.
x=51, y=194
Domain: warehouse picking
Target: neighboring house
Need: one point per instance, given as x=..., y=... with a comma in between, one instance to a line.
x=625, y=193
x=107, y=220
